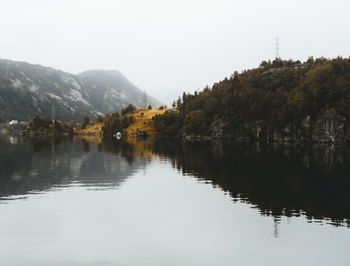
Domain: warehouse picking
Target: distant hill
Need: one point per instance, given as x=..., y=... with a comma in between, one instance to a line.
x=109, y=91
x=27, y=90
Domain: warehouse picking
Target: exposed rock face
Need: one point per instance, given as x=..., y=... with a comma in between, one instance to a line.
x=326, y=127
x=27, y=90
x=329, y=127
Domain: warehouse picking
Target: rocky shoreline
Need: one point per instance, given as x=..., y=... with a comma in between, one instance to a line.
x=326, y=127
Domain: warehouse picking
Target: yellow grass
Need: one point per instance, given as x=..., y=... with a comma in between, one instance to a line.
x=142, y=148
x=93, y=129
x=89, y=139
x=143, y=122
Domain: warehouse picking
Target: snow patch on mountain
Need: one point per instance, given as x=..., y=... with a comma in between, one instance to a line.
x=77, y=96
x=53, y=96
x=17, y=84
x=33, y=88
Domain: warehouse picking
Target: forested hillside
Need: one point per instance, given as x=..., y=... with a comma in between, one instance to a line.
x=277, y=93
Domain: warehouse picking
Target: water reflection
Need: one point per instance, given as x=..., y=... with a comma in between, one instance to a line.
x=277, y=180
x=38, y=164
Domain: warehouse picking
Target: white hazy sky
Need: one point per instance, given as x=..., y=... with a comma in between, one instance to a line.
x=167, y=47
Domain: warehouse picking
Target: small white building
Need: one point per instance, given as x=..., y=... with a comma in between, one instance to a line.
x=13, y=122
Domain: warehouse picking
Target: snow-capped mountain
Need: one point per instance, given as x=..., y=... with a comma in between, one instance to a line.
x=27, y=90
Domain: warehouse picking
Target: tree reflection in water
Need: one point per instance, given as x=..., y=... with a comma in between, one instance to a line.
x=278, y=180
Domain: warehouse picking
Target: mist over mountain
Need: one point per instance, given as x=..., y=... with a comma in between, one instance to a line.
x=110, y=90
x=27, y=90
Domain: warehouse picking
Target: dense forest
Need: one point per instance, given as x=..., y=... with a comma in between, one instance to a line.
x=278, y=92
x=44, y=125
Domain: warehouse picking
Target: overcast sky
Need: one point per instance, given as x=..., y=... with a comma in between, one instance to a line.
x=167, y=47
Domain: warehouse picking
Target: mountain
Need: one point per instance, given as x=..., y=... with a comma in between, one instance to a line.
x=27, y=90
x=108, y=91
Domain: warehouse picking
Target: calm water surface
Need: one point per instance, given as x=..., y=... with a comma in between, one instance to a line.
x=163, y=202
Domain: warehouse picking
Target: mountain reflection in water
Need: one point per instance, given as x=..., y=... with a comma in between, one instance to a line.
x=277, y=180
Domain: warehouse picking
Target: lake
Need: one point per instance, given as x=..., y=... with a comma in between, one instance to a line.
x=166, y=202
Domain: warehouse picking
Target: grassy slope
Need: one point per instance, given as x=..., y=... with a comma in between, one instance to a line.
x=93, y=129
x=142, y=122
